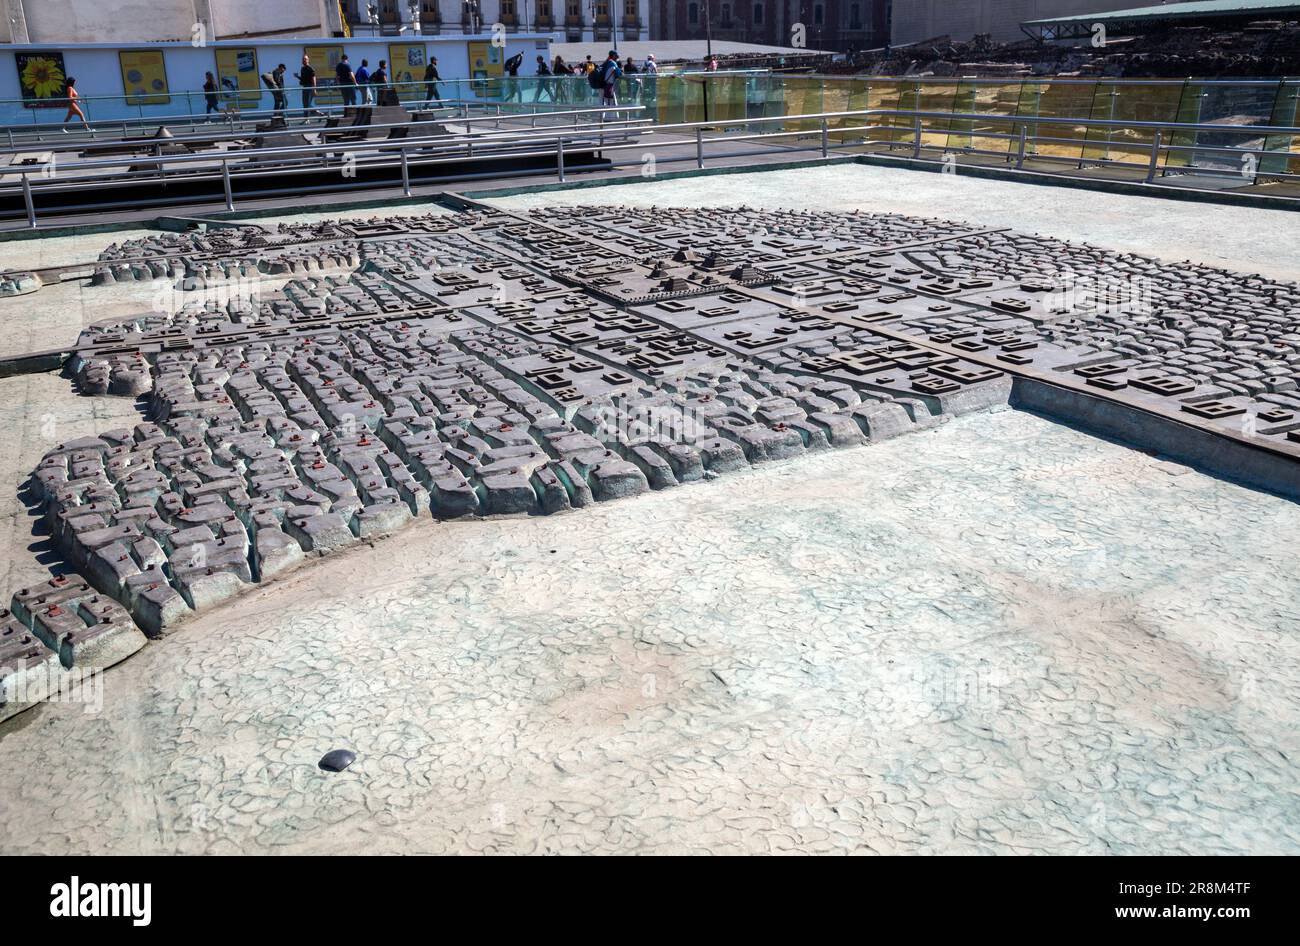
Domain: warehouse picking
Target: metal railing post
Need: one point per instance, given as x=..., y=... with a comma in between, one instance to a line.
x=699, y=148
x=559, y=157
x=1155, y=157
x=1024, y=139
x=406, y=174
x=916, y=152
x=826, y=139
x=31, y=205
x=225, y=180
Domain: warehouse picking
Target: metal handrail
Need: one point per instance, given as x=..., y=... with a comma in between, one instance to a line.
x=544, y=134
x=556, y=139
x=411, y=123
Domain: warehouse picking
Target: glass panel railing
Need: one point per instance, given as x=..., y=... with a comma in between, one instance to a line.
x=846, y=95
x=1062, y=100
x=1284, y=156
x=742, y=96
x=886, y=95
x=937, y=97
x=1130, y=102
x=975, y=97
x=803, y=96
x=1233, y=105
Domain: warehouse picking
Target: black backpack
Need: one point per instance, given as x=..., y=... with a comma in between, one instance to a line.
x=596, y=78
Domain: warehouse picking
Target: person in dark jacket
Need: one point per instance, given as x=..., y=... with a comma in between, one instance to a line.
x=563, y=73
x=512, y=81
x=543, y=81
x=277, y=93
x=210, y=89
x=431, y=80
x=346, y=81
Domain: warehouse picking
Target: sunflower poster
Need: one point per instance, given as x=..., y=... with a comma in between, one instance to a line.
x=144, y=78
x=41, y=76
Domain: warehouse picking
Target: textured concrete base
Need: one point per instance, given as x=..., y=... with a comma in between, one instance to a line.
x=1209, y=452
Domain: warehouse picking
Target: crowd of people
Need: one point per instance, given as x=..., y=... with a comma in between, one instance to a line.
x=582, y=83
x=586, y=82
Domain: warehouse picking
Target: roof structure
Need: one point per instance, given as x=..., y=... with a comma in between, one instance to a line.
x=1137, y=18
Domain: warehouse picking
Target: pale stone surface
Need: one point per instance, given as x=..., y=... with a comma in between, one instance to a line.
x=988, y=637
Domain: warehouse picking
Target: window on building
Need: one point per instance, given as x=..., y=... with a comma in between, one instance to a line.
x=508, y=8
x=602, y=11
x=631, y=10
x=726, y=14
x=855, y=16
x=693, y=13
x=574, y=8
x=819, y=14
x=758, y=14
x=543, y=9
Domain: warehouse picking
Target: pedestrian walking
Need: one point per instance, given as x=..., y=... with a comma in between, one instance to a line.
x=610, y=73
x=512, y=77
x=363, y=81
x=431, y=80
x=632, y=79
x=71, y=94
x=307, y=81
x=346, y=80
x=543, y=81
x=563, y=73
x=210, y=89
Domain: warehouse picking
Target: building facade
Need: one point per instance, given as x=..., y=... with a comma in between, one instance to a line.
x=838, y=25
x=916, y=20
x=145, y=21
x=565, y=20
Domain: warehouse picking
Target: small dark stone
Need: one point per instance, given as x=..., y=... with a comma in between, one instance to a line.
x=336, y=760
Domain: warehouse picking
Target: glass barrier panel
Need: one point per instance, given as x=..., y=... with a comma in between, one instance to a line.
x=1234, y=106
x=885, y=94
x=936, y=97
x=985, y=98
x=1047, y=99
x=1284, y=150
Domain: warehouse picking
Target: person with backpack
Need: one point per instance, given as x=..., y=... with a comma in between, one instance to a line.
x=363, y=81
x=346, y=81
x=651, y=70
x=380, y=76
x=606, y=79
x=276, y=76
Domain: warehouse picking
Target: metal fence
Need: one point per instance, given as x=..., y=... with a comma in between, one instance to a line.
x=1226, y=104
x=1239, y=132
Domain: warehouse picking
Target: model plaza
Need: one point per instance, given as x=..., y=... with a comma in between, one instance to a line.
x=759, y=456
